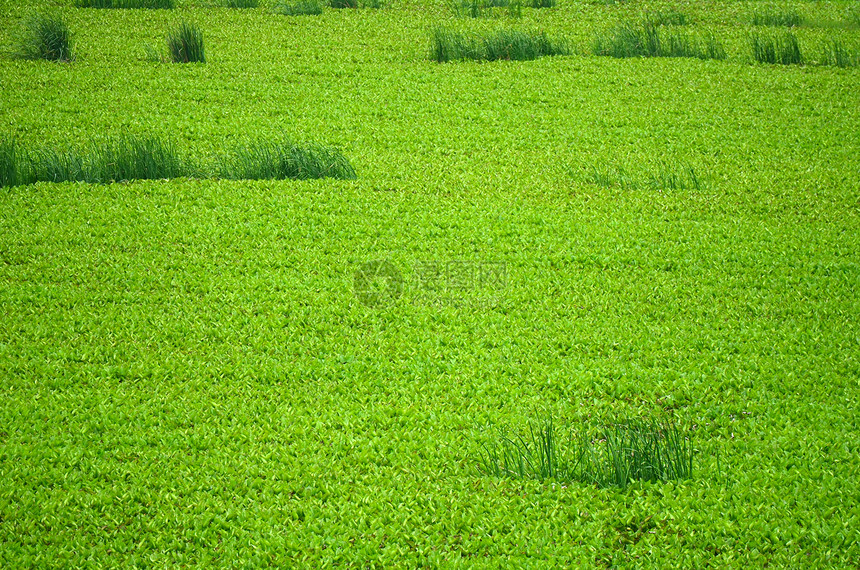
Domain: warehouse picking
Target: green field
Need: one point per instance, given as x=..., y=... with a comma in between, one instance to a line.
x=194, y=370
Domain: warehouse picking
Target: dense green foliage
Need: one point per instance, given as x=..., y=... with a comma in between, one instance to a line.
x=193, y=373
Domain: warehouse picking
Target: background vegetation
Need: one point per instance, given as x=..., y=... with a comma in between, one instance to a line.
x=188, y=376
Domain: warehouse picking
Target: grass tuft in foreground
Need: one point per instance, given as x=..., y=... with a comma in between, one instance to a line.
x=301, y=8
x=10, y=164
x=781, y=49
x=151, y=158
x=612, y=456
x=542, y=3
x=185, y=44
x=128, y=4
x=788, y=19
x=515, y=45
x=133, y=158
x=647, y=40
x=50, y=165
x=667, y=18
x=836, y=54
x=664, y=178
x=46, y=37
x=279, y=161
x=471, y=9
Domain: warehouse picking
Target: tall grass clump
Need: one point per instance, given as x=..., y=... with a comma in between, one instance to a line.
x=648, y=40
x=836, y=54
x=665, y=177
x=185, y=44
x=280, y=161
x=788, y=19
x=241, y=3
x=611, y=456
x=448, y=45
x=10, y=163
x=484, y=8
x=301, y=8
x=340, y=4
x=521, y=46
x=133, y=158
x=50, y=165
x=471, y=8
x=780, y=49
x=47, y=37
x=515, y=45
x=542, y=3
x=128, y=4
x=667, y=18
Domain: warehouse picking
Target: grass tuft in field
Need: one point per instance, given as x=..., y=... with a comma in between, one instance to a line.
x=542, y=3
x=50, y=165
x=515, y=45
x=647, y=40
x=835, y=53
x=470, y=9
x=612, y=456
x=128, y=4
x=781, y=49
x=339, y=4
x=301, y=8
x=787, y=19
x=664, y=177
x=10, y=163
x=47, y=37
x=185, y=44
x=279, y=161
x=133, y=158
x=667, y=18
x=241, y=3
x=668, y=178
